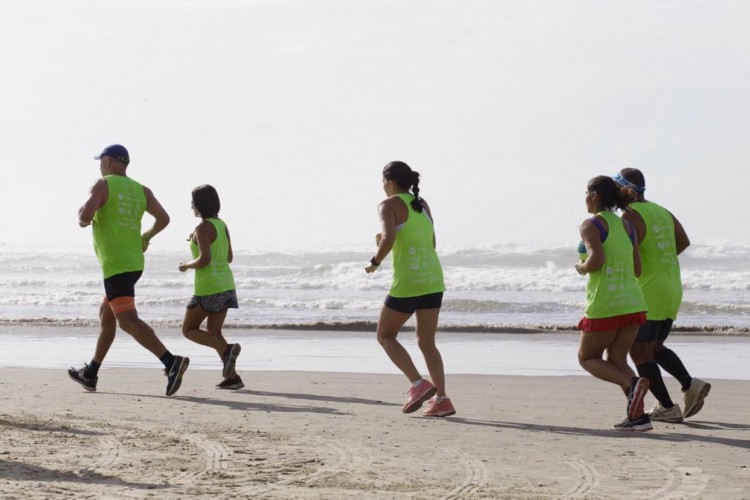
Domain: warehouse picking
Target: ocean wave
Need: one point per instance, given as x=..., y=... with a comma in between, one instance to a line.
x=502, y=255
x=370, y=326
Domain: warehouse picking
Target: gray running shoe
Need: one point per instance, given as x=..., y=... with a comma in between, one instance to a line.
x=642, y=423
x=694, y=397
x=77, y=374
x=672, y=415
x=232, y=383
x=230, y=360
x=174, y=374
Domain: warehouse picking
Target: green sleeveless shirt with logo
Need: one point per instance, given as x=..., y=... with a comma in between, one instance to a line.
x=117, y=227
x=217, y=276
x=660, y=278
x=612, y=290
x=416, y=267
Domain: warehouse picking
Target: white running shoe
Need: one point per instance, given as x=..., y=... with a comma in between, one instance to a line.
x=660, y=414
x=694, y=397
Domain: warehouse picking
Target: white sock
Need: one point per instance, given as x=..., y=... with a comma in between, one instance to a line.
x=440, y=399
x=417, y=383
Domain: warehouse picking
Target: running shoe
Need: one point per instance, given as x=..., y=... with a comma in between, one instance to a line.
x=694, y=397
x=418, y=395
x=230, y=360
x=232, y=383
x=642, y=423
x=661, y=414
x=77, y=374
x=174, y=374
x=442, y=409
x=638, y=391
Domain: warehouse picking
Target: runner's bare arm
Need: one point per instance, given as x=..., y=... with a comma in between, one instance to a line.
x=161, y=217
x=388, y=232
x=636, y=220
x=97, y=198
x=594, y=249
x=637, y=266
x=202, y=237
x=680, y=236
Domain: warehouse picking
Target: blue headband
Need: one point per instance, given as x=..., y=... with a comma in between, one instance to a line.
x=622, y=181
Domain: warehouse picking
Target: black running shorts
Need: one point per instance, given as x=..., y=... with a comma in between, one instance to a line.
x=410, y=304
x=651, y=331
x=121, y=285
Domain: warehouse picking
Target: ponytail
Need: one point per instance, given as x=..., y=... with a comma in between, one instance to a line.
x=416, y=203
x=405, y=178
x=612, y=195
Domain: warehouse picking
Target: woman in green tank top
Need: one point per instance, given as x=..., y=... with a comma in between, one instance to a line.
x=417, y=287
x=214, y=283
x=614, y=301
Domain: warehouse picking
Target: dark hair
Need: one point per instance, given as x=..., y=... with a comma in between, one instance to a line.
x=612, y=195
x=206, y=201
x=405, y=178
x=633, y=175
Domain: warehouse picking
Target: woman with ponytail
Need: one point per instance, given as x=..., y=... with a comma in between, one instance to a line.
x=614, y=302
x=417, y=287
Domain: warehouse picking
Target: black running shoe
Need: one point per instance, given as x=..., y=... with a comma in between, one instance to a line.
x=230, y=360
x=174, y=374
x=642, y=423
x=77, y=374
x=232, y=383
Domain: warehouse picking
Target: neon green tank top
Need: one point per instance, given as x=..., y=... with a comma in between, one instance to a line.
x=117, y=227
x=416, y=267
x=660, y=278
x=216, y=277
x=612, y=290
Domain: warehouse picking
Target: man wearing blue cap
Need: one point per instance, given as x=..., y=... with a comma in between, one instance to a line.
x=661, y=238
x=115, y=208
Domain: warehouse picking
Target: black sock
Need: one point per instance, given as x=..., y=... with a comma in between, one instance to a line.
x=668, y=360
x=651, y=371
x=167, y=359
x=92, y=370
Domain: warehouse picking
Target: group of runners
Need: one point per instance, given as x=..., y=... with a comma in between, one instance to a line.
x=633, y=293
x=632, y=297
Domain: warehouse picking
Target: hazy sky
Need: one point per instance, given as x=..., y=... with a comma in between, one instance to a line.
x=290, y=108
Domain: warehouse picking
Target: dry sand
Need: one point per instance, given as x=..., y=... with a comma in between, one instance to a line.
x=322, y=435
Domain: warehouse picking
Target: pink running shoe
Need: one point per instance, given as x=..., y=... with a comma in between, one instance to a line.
x=638, y=391
x=418, y=395
x=441, y=409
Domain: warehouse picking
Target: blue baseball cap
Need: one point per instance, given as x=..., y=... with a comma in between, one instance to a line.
x=115, y=151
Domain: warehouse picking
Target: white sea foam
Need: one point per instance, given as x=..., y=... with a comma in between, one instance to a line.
x=498, y=284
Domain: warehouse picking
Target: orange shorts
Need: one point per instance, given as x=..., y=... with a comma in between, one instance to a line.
x=611, y=323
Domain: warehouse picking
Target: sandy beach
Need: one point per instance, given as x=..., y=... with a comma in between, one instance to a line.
x=339, y=435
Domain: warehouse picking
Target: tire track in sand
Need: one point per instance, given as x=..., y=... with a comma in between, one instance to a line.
x=110, y=448
x=683, y=482
x=346, y=458
x=588, y=479
x=215, y=455
x=476, y=475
